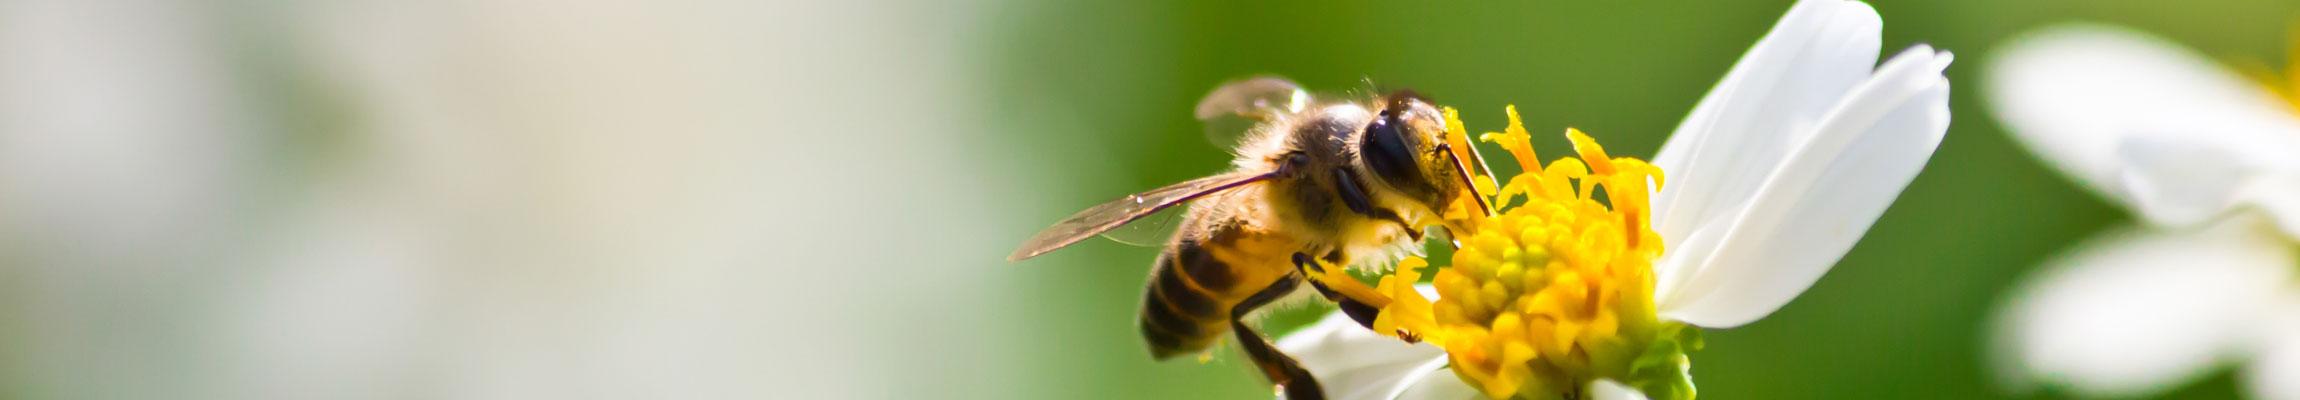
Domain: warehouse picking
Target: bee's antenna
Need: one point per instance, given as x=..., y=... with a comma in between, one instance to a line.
x=1478, y=159
x=1462, y=170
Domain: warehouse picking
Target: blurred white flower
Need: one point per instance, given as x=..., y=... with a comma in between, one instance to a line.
x=1771, y=179
x=124, y=155
x=2211, y=161
x=499, y=199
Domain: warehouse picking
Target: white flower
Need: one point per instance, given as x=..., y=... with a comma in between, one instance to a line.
x=2211, y=161
x=1771, y=179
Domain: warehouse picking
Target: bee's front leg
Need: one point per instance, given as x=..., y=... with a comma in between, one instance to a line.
x=1361, y=303
x=1355, y=197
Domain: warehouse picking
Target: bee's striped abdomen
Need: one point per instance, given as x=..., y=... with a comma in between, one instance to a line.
x=1184, y=312
x=1195, y=282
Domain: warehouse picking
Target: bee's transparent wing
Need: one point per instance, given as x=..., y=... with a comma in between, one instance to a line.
x=1232, y=110
x=1150, y=230
x=1106, y=216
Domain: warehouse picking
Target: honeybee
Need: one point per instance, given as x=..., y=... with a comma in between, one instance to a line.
x=1315, y=183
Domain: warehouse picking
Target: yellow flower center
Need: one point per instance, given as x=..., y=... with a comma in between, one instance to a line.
x=1556, y=290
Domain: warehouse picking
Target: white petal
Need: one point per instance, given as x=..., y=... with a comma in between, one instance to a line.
x=1608, y=390
x=1440, y=385
x=2276, y=374
x=2073, y=94
x=2134, y=312
x=2181, y=182
x=1352, y=362
x=2279, y=197
x=1762, y=108
x=2177, y=182
x=1443, y=385
x=1820, y=200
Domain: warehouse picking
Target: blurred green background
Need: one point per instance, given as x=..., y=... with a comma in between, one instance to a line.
x=1093, y=98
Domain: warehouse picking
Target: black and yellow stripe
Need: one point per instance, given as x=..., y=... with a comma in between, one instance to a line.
x=1197, y=280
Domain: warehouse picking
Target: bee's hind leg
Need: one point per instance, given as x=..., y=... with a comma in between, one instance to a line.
x=1280, y=368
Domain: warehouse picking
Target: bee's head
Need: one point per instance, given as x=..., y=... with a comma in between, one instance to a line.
x=1400, y=148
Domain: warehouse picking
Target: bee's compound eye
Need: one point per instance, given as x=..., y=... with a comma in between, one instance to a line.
x=1386, y=151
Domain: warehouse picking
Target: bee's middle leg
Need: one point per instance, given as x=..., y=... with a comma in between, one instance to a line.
x=1280, y=368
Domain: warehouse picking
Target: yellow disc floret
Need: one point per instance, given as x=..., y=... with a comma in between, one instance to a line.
x=1557, y=290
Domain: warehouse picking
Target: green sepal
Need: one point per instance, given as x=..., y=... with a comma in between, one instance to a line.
x=1663, y=371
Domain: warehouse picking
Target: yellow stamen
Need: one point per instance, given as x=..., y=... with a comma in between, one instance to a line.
x=1553, y=292
x=1515, y=139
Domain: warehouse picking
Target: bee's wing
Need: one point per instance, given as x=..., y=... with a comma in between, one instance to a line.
x=1106, y=216
x=1150, y=230
x=1232, y=110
